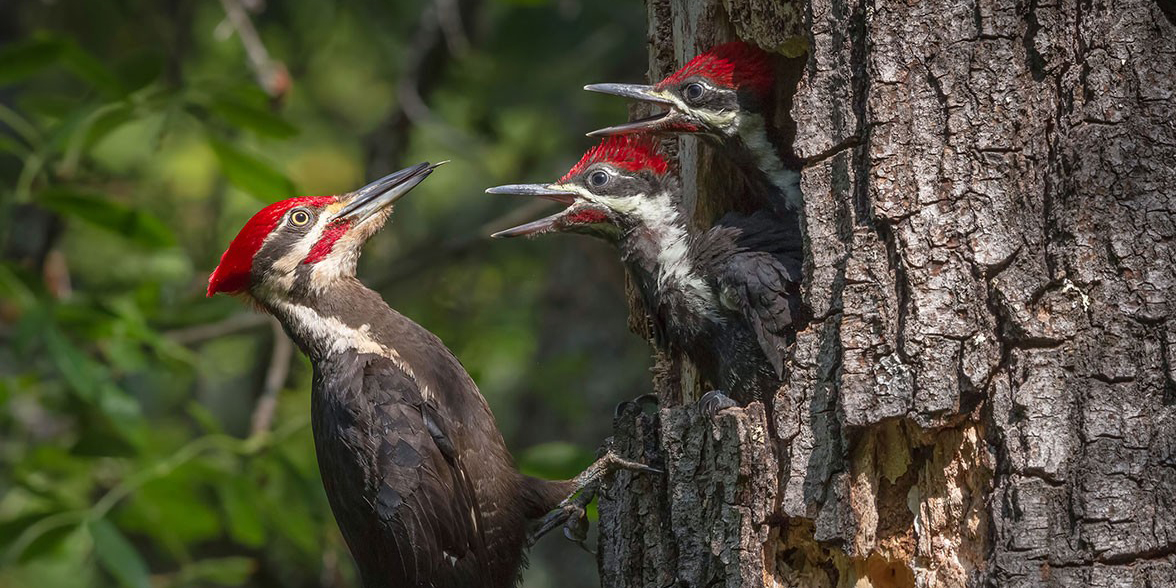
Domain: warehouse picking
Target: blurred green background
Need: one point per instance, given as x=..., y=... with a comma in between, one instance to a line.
x=136, y=443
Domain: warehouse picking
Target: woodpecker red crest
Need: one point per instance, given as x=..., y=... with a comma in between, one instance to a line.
x=736, y=65
x=605, y=191
x=629, y=152
x=724, y=95
x=232, y=274
x=304, y=243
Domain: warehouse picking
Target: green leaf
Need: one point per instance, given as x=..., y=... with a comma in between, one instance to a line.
x=118, y=556
x=140, y=69
x=251, y=174
x=22, y=59
x=90, y=69
x=239, y=497
x=222, y=571
x=248, y=116
x=137, y=226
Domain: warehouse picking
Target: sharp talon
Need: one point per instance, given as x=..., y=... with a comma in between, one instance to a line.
x=715, y=401
x=648, y=399
x=638, y=403
x=576, y=529
x=622, y=408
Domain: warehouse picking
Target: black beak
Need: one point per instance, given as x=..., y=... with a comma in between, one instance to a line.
x=385, y=191
x=538, y=190
x=633, y=91
x=639, y=92
x=542, y=225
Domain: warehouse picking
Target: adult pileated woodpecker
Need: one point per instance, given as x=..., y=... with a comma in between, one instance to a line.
x=725, y=297
x=415, y=469
x=725, y=95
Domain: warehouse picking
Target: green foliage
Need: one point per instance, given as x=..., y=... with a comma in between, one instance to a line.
x=134, y=143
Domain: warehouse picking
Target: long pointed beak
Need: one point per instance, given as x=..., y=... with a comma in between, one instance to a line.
x=544, y=191
x=635, y=91
x=643, y=93
x=542, y=225
x=385, y=191
x=648, y=124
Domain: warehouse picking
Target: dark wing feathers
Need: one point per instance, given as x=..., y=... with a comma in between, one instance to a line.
x=412, y=518
x=758, y=263
x=430, y=502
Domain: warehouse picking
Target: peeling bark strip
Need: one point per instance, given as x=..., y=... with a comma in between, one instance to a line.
x=987, y=395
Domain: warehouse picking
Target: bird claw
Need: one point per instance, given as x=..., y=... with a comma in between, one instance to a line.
x=571, y=512
x=571, y=515
x=715, y=401
x=639, y=403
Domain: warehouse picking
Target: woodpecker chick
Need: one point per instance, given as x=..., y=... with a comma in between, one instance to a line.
x=725, y=95
x=726, y=297
x=415, y=469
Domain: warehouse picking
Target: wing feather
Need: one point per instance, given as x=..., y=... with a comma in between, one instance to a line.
x=758, y=264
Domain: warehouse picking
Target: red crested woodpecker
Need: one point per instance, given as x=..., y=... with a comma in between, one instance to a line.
x=725, y=95
x=415, y=469
x=726, y=297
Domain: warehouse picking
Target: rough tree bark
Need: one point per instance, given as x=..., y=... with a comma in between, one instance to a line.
x=987, y=395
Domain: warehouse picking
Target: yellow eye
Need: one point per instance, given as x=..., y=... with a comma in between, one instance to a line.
x=299, y=218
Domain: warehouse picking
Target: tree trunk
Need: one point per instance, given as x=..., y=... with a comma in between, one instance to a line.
x=987, y=395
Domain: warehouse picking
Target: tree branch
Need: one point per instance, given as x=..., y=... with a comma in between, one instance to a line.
x=275, y=378
x=271, y=74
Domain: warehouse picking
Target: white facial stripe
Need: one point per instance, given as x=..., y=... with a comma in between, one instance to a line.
x=284, y=267
x=753, y=131
x=309, y=325
x=659, y=214
x=674, y=267
x=722, y=120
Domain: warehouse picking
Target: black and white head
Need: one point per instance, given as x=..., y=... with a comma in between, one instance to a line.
x=620, y=187
x=723, y=93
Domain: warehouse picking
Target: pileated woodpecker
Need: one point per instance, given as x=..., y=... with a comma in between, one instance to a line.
x=415, y=469
x=725, y=95
x=726, y=297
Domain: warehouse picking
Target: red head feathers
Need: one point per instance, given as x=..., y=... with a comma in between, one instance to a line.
x=731, y=65
x=630, y=152
x=232, y=275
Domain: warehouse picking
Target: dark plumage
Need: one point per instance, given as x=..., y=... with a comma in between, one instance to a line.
x=416, y=471
x=418, y=476
x=727, y=297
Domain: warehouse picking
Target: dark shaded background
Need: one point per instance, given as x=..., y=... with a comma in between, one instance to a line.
x=137, y=136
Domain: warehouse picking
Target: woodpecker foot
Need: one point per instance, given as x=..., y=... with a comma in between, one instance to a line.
x=639, y=403
x=572, y=515
x=571, y=512
x=714, y=401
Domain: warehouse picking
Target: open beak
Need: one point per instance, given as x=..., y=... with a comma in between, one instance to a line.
x=654, y=123
x=543, y=225
x=382, y=193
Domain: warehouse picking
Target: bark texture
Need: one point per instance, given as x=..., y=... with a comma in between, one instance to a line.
x=987, y=395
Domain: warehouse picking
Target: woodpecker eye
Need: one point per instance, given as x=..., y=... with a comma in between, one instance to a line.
x=299, y=217
x=693, y=91
x=598, y=178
